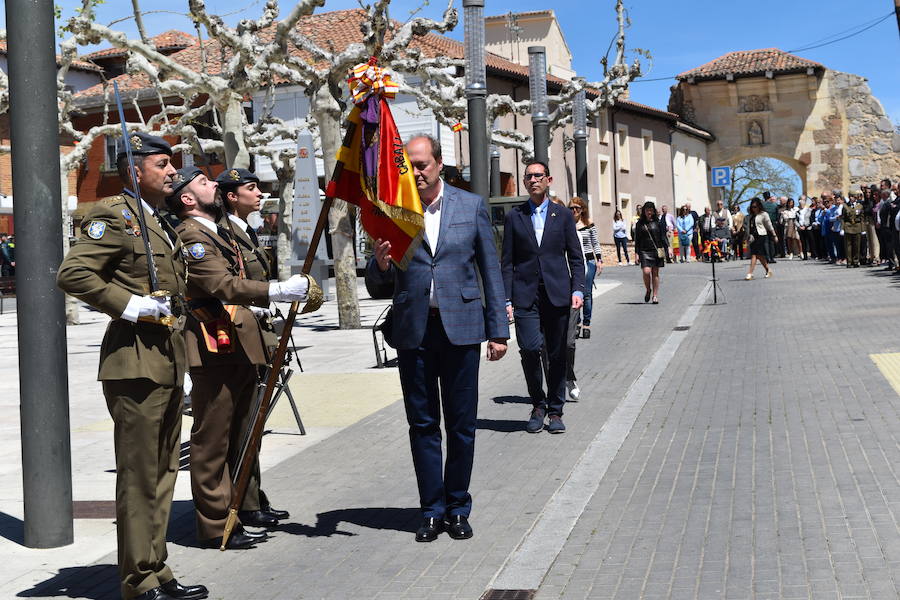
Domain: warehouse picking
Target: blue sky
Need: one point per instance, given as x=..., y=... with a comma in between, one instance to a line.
x=679, y=35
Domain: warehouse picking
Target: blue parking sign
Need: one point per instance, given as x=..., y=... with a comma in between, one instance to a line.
x=721, y=176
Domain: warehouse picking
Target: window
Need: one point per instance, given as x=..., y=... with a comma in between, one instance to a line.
x=603, y=175
x=112, y=149
x=624, y=202
x=622, y=148
x=647, y=151
x=601, y=123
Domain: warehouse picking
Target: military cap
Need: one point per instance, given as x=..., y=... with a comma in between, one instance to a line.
x=144, y=144
x=234, y=177
x=182, y=177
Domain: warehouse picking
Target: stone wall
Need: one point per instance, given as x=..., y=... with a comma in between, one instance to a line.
x=872, y=140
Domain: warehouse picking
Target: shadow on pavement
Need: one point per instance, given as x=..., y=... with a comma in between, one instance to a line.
x=397, y=519
x=95, y=582
x=503, y=425
x=512, y=400
x=12, y=529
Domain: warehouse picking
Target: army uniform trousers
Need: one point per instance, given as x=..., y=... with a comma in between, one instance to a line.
x=147, y=435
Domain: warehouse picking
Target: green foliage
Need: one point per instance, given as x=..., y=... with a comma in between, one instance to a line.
x=754, y=176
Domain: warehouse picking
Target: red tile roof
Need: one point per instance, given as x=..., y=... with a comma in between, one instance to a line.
x=746, y=63
x=169, y=40
x=334, y=30
x=76, y=64
x=643, y=108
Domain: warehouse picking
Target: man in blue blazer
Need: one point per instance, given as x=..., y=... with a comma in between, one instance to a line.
x=448, y=300
x=543, y=275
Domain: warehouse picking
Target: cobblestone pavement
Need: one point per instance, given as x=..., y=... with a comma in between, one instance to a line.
x=760, y=466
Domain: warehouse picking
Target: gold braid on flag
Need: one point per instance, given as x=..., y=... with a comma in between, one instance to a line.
x=368, y=78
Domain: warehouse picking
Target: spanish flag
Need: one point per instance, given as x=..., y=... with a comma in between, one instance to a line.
x=373, y=170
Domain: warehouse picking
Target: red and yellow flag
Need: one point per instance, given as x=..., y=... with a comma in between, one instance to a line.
x=373, y=170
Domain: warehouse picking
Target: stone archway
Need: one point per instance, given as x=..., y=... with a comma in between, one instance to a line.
x=824, y=124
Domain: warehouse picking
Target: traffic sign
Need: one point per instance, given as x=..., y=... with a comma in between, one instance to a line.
x=721, y=176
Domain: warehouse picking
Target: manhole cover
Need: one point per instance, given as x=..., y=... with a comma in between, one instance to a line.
x=508, y=595
x=94, y=509
x=682, y=328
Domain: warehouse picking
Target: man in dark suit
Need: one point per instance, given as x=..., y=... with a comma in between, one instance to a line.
x=543, y=274
x=448, y=300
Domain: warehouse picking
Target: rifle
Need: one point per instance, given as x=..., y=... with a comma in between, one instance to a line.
x=242, y=478
x=167, y=320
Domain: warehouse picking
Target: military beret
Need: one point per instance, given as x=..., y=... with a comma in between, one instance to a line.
x=144, y=144
x=182, y=177
x=235, y=177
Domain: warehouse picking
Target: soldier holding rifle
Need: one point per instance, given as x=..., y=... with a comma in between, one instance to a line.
x=225, y=349
x=129, y=264
x=239, y=191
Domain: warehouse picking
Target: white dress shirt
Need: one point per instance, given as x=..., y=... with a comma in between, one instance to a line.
x=432, y=231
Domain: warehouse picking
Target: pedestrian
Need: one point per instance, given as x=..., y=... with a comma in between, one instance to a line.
x=695, y=238
x=759, y=232
x=721, y=234
x=804, y=216
x=737, y=231
x=438, y=335
x=142, y=358
x=241, y=197
x=543, y=274
x=634, y=219
x=620, y=237
x=7, y=260
x=779, y=224
x=771, y=207
x=790, y=229
x=852, y=228
x=224, y=370
x=593, y=259
x=684, y=225
x=707, y=224
x=667, y=220
x=824, y=219
x=886, y=227
x=650, y=241
x=870, y=217
x=836, y=232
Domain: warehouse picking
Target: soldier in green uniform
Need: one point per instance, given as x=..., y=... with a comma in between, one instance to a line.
x=225, y=349
x=852, y=225
x=142, y=360
x=239, y=191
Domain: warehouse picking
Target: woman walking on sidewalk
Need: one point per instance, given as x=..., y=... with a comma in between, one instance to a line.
x=649, y=243
x=593, y=260
x=684, y=225
x=759, y=228
x=620, y=235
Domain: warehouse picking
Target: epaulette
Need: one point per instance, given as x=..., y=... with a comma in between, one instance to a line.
x=113, y=200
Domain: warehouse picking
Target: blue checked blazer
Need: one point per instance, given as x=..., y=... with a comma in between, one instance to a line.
x=466, y=273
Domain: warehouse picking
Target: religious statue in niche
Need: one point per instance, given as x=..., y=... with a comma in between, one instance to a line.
x=754, y=103
x=755, y=134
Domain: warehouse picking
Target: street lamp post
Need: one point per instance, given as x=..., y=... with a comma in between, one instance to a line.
x=40, y=306
x=495, y=171
x=537, y=85
x=476, y=96
x=579, y=118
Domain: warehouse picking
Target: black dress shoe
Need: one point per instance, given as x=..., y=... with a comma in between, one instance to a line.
x=256, y=535
x=238, y=540
x=154, y=594
x=430, y=529
x=458, y=527
x=278, y=514
x=257, y=518
x=184, y=592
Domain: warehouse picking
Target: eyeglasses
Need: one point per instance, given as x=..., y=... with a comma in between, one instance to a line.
x=530, y=176
x=574, y=208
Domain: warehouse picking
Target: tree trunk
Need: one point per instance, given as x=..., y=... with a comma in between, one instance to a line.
x=340, y=219
x=236, y=154
x=285, y=175
x=71, y=302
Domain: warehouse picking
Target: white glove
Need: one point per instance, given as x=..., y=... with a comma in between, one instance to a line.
x=842, y=232
x=147, y=306
x=292, y=290
x=260, y=313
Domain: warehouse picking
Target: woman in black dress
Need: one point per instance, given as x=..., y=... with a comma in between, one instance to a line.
x=759, y=229
x=650, y=246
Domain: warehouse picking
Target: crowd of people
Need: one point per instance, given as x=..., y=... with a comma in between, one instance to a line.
x=859, y=228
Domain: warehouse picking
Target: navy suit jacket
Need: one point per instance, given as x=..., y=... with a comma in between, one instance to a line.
x=558, y=261
x=466, y=274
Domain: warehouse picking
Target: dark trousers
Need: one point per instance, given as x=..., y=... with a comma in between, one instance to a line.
x=543, y=325
x=438, y=375
x=884, y=241
x=621, y=246
x=738, y=243
x=806, y=243
x=851, y=248
x=781, y=245
x=146, y=435
x=695, y=242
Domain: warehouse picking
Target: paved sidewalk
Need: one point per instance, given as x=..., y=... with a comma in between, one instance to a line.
x=744, y=450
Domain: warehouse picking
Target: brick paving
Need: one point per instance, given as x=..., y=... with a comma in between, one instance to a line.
x=762, y=465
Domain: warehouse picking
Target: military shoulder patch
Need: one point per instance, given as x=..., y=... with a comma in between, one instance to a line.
x=127, y=214
x=96, y=229
x=197, y=250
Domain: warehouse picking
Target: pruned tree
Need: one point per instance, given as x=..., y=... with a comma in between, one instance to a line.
x=753, y=176
x=257, y=55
